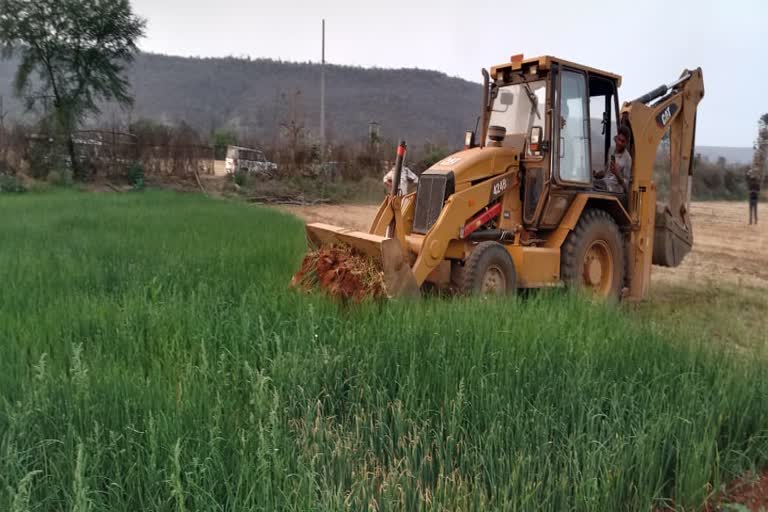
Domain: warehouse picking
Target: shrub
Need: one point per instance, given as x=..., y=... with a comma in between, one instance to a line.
x=43, y=156
x=61, y=176
x=136, y=176
x=220, y=140
x=711, y=180
x=240, y=177
x=11, y=184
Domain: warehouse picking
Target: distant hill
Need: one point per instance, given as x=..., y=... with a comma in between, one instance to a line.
x=256, y=96
x=732, y=155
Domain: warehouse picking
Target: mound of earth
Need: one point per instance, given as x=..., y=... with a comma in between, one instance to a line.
x=340, y=272
x=751, y=492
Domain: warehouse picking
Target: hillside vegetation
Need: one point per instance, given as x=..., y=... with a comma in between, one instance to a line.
x=255, y=96
x=154, y=359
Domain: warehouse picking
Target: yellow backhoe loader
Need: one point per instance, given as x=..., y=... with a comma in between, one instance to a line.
x=522, y=207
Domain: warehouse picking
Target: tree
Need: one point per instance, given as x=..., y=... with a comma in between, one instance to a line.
x=760, y=154
x=220, y=140
x=3, y=143
x=77, y=49
x=721, y=162
x=293, y=125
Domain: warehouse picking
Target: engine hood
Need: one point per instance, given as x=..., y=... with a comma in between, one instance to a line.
x=476, y=164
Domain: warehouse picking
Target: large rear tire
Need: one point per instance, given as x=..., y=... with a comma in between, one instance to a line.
x=592, y=257
x=489, y=270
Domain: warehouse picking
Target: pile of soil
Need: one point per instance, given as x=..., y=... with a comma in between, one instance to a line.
x=751, y=492
x=342, y=273
x=748, y=493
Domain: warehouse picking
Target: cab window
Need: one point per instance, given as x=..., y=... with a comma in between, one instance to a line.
x=574, y=128
x=603, y=120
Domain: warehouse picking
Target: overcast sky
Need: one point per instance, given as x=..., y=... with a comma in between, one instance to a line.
x=648, y=42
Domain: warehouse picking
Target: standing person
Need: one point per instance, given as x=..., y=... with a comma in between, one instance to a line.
x=754, y=193
x=408, y=181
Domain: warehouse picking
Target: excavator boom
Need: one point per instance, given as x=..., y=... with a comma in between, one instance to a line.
x=662, y=232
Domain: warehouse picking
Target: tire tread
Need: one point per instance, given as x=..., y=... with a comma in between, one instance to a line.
x=570, y=267
x=473, y=267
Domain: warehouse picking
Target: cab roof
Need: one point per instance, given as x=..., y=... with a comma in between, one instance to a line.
x=517, y=62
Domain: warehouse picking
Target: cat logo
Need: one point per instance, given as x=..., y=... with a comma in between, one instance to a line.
x=453, y=160
x=666, y=115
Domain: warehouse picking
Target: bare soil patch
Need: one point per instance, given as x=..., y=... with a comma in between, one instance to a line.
x=750, y=491
x=726, y=250
x=353, y=216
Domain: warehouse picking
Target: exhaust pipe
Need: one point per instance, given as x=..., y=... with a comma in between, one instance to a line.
x=484, y=112
x=401, y=149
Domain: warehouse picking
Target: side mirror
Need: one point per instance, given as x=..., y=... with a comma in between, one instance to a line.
x=535, y=139
x=469, y=139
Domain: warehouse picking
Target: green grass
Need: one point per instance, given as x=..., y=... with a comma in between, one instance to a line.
x=722, y=315
x=153, y=359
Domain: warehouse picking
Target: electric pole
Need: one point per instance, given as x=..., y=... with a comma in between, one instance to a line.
x=322, y=99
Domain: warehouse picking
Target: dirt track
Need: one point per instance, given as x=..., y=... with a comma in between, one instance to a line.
x=726, y=250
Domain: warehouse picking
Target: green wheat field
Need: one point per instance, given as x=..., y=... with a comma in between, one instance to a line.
x=152, y=357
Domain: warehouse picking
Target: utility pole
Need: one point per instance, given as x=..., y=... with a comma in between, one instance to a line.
x=322, y=99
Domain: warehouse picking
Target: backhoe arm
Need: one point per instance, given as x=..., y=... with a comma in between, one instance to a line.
x=662, y=233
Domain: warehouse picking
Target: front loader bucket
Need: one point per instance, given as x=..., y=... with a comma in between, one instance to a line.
x=387, y=253
x=398, y=278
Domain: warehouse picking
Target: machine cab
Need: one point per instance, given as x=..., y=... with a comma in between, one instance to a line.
x=565, y=115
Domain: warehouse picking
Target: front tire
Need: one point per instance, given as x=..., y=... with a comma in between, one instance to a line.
x=592, y=257
x=489, y=270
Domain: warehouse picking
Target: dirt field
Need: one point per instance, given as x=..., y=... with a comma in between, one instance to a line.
x=726, y=250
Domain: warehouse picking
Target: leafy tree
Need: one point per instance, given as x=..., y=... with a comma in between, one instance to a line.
x=220, y=140
x=760, y=155
x=223, y=138
x=721, y=162
x=76, y=49
x=3, y=143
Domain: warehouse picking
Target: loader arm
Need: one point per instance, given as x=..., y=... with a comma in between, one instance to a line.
x=662, y=234
x=395, y=254
x=458, y=209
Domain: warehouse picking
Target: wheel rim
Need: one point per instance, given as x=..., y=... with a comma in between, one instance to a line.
x=494, y=281
x=597, y=270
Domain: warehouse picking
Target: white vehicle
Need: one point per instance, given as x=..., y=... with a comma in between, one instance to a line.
x=248, y=160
